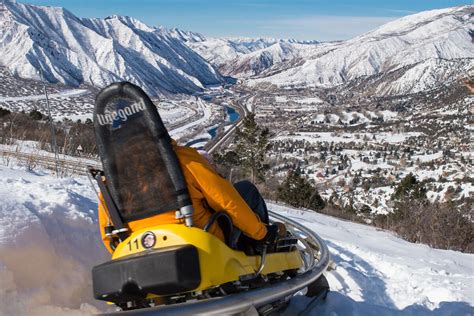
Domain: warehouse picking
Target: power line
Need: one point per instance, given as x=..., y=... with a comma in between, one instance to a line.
x=51, y=123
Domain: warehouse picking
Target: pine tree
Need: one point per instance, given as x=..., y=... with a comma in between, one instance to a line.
x=226, y=163
x=4, y=112
x=251, y=148
x=410, y=189
x=409, y=194
x=297, y=191
x=36, y=115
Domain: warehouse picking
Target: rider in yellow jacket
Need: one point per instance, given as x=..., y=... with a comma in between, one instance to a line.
x=209, y=192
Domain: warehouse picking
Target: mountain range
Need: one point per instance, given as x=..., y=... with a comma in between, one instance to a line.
x=243, y=57
x=96, y=52
x=412, y=54
x=409, y=55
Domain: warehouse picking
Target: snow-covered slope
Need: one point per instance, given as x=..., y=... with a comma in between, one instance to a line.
x=98, y=51
x=48, y=244
x=414, y=53
x=377, y=273
x=256, y=62
x=222, y=51
x=49, y=241
x=184, y=36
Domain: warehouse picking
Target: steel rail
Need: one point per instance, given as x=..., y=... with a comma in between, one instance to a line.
x=248, y=302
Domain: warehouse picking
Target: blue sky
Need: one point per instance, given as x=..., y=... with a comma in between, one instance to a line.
x=301, y=19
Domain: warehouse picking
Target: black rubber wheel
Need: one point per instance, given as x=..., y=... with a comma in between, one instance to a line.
x=291, y=273
x=320, y=287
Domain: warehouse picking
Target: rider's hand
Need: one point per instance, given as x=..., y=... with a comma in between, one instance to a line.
x=273, y=232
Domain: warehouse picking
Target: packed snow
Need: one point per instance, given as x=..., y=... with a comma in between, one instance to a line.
x=379, y=274
x=49, y=241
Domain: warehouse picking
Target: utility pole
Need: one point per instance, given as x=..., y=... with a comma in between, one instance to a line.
x=54, y=145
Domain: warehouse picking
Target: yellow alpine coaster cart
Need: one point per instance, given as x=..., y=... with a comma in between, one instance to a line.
x=178, y=268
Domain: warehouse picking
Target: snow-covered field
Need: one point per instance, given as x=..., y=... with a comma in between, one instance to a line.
x=206, y=112
x=61, y=95
x=49, y=241
x=315, y=137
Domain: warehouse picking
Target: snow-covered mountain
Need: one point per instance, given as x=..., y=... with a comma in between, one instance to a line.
x=259, y=53
x=74, y=51
x=254, y=63
x=415, y=53
x=184, y=36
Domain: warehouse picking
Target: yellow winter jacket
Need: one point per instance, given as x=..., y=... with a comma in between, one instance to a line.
x=209, y=192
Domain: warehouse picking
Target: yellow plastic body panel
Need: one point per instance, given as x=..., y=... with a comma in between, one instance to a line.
x=219, y=264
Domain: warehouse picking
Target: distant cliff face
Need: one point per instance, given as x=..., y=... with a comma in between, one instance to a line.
x=97, y=52
x=412, y=54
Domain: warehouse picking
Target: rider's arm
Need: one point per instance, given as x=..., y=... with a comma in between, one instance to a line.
x=221, y=195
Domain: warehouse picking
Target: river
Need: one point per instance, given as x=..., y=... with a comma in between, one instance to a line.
x=231, y=117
